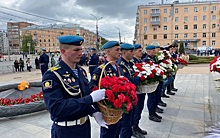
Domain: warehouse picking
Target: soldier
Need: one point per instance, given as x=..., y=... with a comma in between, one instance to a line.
x=152, y=97
x=137, y=131
x=174, y=56
x=93, y=62
x=44, y=61
x=67, y=95
x=128, y=72
x=113, y=52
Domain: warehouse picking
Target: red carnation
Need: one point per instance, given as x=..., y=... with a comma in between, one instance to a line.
x=129, y=106
x=95, y=88
x=117, y=103
x=154, y=71
x=115, y=88
x=151, y=75
x=142, y=78
x=110, y=95
x=121, y=97
x=161, y=73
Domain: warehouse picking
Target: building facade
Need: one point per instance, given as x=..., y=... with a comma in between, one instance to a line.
x=47, y=36
x=14, y=37
x=4, y=46
x=196, y=24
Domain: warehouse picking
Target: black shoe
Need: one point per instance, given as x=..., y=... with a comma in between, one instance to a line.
x=154, y=118
x=137, y=134
x=161, y=103
x=170, y=93
x=160, y=117
x=165, y=96
x=159, y=110
x=175, y=89
x=137, y=128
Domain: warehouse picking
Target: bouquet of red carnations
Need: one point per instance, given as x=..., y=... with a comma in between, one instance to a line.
x=182, y=61
x=215, y=64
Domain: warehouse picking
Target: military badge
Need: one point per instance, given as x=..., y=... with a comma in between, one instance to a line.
x=94, y=77
x=124, y=70
x=73, y=80
x=47, y=84
x=69, y=80
x=66, y=75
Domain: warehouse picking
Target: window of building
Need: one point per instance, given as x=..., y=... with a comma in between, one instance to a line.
x=195, y=9
x=145, y=28
x=213, y=25
x=40, y=40
x=176, y=10
x=194, y=35
x=145, y=20
x=204, y=26
x=185, y=27
x=186, y=10
x=176, y=27
x=213, y=34
x=213, y=17
x=203, y=34
x=155, y=28
x=195, y=18
x=165, y=19
x=155, y=11
x=176, y=35
x=165, y=27
x=145, y=37
x=204, y=8
x=176, y=19
x=204, y=43
x=164, y=10
x=186, y=19
x=48, y=40
x=145, y=12
x=185, y=35
x=195, y=26
x=204, y=17
x=214, y=8
x=165, y=36
x=213, y=42
x=155, y=36
x=44, y=40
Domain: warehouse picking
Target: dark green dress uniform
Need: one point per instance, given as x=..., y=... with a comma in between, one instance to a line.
x=128, y=72
x=66, y=94
x=114, y=129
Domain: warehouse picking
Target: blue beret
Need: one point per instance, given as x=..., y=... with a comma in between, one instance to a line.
x=150, y=47
x=126, y=46
x=71, y=40
x=93, y=49
x=110, y=44
x=157, y=46
x=43, y=49
x=136, y=46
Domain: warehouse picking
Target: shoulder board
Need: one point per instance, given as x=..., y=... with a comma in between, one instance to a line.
x=122, y=63
x=101, y=66
x=132, y=60
x=57, y=67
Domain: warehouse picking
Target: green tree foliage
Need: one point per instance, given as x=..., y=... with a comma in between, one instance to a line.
x=25, y=40
x=181, y=49
x=104, y=41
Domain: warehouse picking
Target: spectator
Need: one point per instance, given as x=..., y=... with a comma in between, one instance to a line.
x=28, y=62
x=37, y=63
x=52, y=61
x=21, y=63
x=16, y=65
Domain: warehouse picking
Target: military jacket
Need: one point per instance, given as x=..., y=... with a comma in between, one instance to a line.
x=135, y=60
x=128, y=71
x=149, y=58
x=44, y=58
x=67, y=95
x=94, y=60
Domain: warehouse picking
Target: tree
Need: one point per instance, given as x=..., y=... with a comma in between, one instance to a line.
x=25, y=40
x=103, y=40
x=181, y=49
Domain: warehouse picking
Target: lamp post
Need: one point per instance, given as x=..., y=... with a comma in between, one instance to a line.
x=97, y=32
x=35, y=42
x=119, y=33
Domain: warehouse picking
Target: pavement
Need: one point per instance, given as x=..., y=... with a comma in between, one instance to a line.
x=185, y=116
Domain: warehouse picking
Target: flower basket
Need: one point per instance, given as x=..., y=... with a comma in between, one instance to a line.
x=180, y=66
x=149, y=88
x=110, y=115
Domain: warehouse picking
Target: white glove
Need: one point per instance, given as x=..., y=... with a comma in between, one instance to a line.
x=99, y=119
x=140, y=74
x=98, y=95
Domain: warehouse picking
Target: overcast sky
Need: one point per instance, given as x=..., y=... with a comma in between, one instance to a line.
x=115, y=13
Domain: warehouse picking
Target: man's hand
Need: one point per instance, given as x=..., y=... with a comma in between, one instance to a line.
x=98, y=95
x=99, y=119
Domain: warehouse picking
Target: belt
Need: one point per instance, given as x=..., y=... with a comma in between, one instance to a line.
x=80, y=121
x=92, y=65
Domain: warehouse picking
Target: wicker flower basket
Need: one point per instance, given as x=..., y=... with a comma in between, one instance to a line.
x=111, y=116
x=180, y=66
x=150, y=88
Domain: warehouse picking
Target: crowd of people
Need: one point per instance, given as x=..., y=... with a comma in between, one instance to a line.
x=70, y=97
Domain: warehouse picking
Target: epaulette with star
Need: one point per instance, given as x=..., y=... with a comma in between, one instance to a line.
x=57, y=67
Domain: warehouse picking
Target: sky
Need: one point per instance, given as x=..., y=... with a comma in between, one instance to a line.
x=116, y=14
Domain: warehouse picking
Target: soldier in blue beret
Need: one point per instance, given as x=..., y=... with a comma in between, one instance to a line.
x=152, y=97
x=113, y=52
x=93, y=62
x=67, y=95
x=137, y=131
x=43, y=61
x=127, y=66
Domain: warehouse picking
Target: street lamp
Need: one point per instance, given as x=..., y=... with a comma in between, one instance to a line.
x=119, y=34
x=97, y=32
x=35, y=42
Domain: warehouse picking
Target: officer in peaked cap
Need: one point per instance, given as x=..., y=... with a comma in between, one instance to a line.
x=43, y=61
x=93, y=62
x=127, y=66
x=67, y=95
x=113, y=52
x=137, y=131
